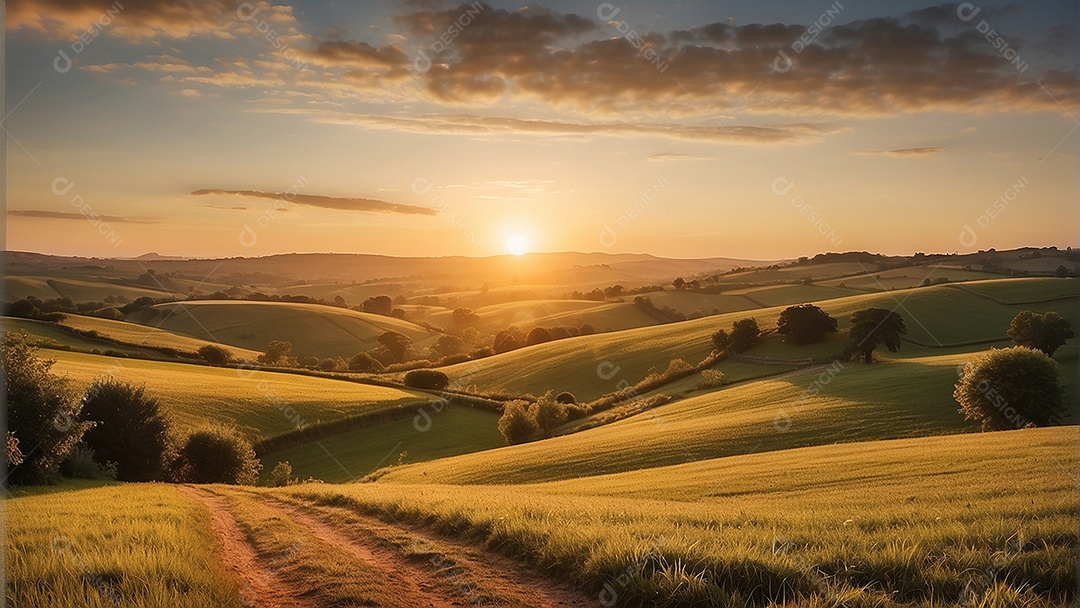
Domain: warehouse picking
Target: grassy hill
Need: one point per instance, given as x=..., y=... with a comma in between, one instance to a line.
x=900, y=398
x=261, y=404
x=147, y=336
x=935, y=316
x=880, y=523
x=323, y=331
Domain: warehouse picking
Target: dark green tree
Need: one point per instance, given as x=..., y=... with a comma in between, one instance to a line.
x=805, y=324
x=130, y=429
x=1045, y=331
x=873, y=326
x=745, y=333
x=396, y=345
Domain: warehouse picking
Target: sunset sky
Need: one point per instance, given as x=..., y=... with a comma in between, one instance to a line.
x=427, y=129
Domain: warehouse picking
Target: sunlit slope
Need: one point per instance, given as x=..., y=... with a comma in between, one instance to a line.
x=855, y=402
x=148, y=336
x=323, y=331
x=261, y=404
x=858, y=403
x=859, y=524
x=590, y=366
x=548, y=313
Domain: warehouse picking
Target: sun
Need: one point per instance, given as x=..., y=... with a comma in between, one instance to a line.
x=517, y=245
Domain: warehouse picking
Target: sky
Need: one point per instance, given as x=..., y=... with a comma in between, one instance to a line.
x=687, y=129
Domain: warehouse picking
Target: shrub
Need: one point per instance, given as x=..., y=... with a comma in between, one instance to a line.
x=130, y=429
x=214, y=355
x=1010, y=388
x=427, y=378
x=677, y=368
x=363, y=362
x=517, y=424
x=548, y=413
x=538, y=335
x=42, y=411
x=277, y=353
x=711, y=378
x=566, y=398
x=217, y=456
x=82, y=464
x=721, y=340
x=281, y=475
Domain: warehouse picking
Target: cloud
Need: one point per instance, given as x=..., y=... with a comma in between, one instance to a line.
x=472, y=124
x=326, y=202
x=904, y=152
x=924, y=61
x=671, y=156
x=67, y=215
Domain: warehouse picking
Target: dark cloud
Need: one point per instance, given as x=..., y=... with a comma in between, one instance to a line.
x=326, y=202
x=67, y=215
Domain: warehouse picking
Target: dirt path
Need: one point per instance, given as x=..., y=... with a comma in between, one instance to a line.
x=259, y=585
x=470, y=574
x=419, y=569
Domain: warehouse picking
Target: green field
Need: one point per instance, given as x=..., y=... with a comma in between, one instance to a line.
x=1027, y=290
x=323, y=331
x=148, y=336
x=354, y=454
x=872, y=524
x=137, y=545
x=48, y=335
x=900, y=398
x=261, y=404
x=938, y=315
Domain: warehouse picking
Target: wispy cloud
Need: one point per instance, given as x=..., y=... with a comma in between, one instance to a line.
x=673, y=156
x=472, y=124
x=67, y=215
x=902, y=152
x=326, y=202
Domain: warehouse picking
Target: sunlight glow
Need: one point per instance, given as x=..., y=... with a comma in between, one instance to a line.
x=517, y=245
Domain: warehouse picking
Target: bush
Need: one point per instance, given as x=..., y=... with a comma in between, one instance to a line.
x=214, y=355
x=130, y=429
x=566, y=398
x=548, y=413
x=363, y=362
x=427, y=378
x=281, y=475
x=82, y=464
x=517, y=424
x=42, y=411
x=721, y=340
x=217, y=456
x=1010, y=388
x=711, y=378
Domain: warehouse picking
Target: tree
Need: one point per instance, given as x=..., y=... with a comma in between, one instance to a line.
x=873, y=326
x=396, y=345
x=379, y=305
x=1045, y=332
x=448, y=345
x=218, y=456
x=506, y=341
x=214, y=354
x=538, y=335
x=277, y=353
x=427, y=378
x=678, y=283
x=465, y=317
x=42, y=411
x=363, y=362
x=517, y=424
x=130, y=429
x=1010, y=388
x=721, y=340
x=804, y=324
x=744, y=334
x=339, y=302
x=548, y=413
